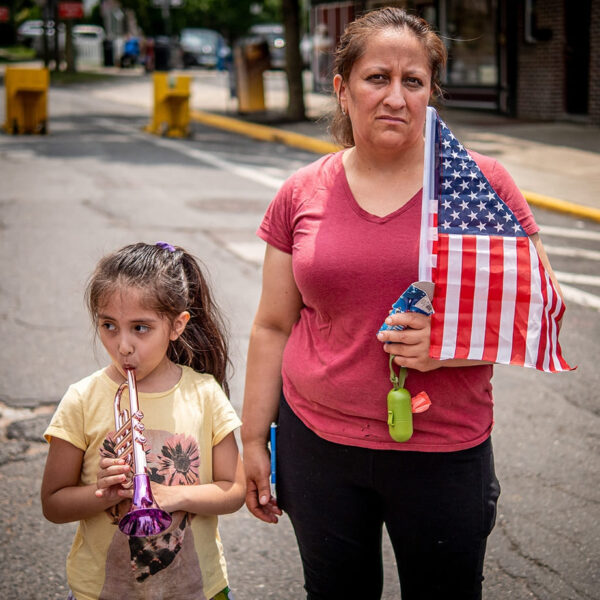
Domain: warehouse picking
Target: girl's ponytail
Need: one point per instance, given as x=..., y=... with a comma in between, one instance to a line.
x=203, y=344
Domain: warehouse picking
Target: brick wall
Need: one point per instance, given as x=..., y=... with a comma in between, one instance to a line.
x=594, y=97
x=541, y=68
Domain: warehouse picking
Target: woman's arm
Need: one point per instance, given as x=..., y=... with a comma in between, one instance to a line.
x=224, y=495
x=278, y=310
x=64, y=499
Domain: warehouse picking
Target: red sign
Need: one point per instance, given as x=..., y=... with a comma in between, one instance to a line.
x=4, y=14
x=70, y=10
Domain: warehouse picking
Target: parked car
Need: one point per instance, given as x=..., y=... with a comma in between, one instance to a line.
x=203, y=48
x=273, y=34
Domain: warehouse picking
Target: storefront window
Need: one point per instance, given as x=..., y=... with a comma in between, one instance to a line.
x=469, y=29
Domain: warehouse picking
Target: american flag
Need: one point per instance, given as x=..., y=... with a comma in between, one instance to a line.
x=493, y=299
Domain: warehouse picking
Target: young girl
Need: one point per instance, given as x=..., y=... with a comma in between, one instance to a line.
x=153, y=313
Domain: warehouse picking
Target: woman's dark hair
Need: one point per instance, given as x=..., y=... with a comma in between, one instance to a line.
x=172, y=282
x=352, y=46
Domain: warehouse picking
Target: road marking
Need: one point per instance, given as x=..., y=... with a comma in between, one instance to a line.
x=251, y=173
x=253, y=252
x=580, y=234
x=580, y=297
x=572, y=252
x=577, y=278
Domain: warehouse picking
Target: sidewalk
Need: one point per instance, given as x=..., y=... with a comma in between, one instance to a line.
x=557, y=164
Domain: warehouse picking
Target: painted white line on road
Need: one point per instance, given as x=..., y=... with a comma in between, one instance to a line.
x=572, y=252
x=580, y=297
x=180, y=146
x=577, y=278
x=579, y=234
x=253, y=252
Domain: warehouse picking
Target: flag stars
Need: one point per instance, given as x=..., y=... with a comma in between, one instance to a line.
x=499, y=227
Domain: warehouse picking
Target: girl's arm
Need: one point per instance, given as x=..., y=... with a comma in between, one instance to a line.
x=63, y=498
x=278, y=310
x=224, y=495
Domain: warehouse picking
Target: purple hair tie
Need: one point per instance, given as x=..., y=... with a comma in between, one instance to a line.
x=165, y=246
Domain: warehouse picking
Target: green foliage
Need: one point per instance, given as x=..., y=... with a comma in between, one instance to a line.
x=232, y=18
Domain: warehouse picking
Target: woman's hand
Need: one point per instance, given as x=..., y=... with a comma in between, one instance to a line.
x=259, y=501
x=410, y=346
x=113, y=481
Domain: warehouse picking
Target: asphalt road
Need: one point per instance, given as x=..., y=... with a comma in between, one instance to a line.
x=98, y=182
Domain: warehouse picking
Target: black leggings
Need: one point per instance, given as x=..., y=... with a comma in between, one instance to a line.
x=438, y=509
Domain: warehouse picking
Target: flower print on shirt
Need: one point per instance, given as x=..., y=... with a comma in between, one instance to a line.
x=177, y=463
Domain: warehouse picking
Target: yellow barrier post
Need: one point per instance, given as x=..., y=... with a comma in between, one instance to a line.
x=251, y=61
x=171, y=113
x=26, y=100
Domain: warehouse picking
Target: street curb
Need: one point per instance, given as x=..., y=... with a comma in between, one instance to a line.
x=304, y=142
x=562, y=206
x=265, y=132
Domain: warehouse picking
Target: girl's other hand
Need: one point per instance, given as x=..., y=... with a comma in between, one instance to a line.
x=114, y=480
x=259, y=501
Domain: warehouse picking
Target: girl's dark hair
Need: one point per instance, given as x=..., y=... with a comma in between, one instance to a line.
x=172, y=282
x=352, y=46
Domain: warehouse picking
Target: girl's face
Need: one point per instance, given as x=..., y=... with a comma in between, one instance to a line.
x=388, y=90
x=135, y=336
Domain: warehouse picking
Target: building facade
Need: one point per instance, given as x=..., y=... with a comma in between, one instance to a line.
x=531, y=59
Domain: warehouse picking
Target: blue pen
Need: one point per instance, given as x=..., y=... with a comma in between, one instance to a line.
x=273, y=458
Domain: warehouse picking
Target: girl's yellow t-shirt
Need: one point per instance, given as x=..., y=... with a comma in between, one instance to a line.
x=181, y=427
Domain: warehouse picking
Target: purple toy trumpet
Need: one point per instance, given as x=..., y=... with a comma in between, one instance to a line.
x=145, y=516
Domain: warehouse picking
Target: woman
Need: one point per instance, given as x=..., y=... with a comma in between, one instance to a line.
x=342, y=244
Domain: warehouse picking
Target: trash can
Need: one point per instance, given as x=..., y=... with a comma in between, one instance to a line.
x=109, y=53
x=162, y=53
x=251, y=59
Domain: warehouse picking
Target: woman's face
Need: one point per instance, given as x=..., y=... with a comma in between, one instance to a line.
x=387, y=92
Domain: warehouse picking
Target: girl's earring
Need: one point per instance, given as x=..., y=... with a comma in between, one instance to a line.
x=342, y=109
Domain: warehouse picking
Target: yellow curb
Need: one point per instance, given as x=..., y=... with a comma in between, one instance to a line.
x=265, y=133
x=562, y=206
x=305, y=142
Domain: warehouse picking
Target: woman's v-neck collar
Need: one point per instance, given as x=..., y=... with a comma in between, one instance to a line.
x=358, y=209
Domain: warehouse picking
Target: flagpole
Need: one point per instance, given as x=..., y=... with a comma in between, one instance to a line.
x=428, y=198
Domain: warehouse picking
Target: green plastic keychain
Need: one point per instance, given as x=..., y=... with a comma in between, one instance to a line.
x=400, y=421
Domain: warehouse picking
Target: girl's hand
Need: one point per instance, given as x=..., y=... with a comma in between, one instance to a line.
x=259, y=501
x=410, y=346
x=114, y=480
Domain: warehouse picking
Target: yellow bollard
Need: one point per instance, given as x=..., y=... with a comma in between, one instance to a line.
x=251, y=60
x=26, y=100
x=171, y=113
